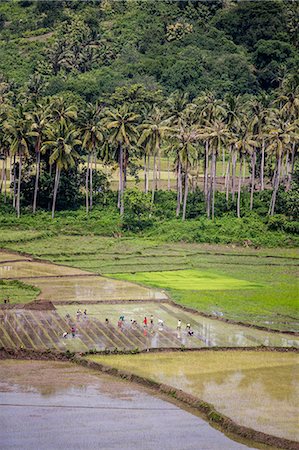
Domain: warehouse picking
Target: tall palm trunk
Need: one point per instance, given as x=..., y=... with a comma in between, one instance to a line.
x=262, y=165
x=91, y=182
x=234, y=161
x=36, y=180
x=148, y=172
x=145, y=174
x=206, y=169
x=185, y=190
x=121, y=179
x=159, y=172
x=168, y=174
x=2, y=177
x=154, y=185
x=223, y=161
x=214, y=162
x=5, y=176
x=19, y=183
x=291, y=167
x=275, y=188
x=239, y=188
x=227, y=180
x=14, y=182
x=253, y=163
x=56, y=184
x=86, y=184
x=179, y=182
x=10, y=176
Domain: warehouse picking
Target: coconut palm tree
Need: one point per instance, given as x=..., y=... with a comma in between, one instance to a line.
x=121, y=125
x=61, y=141
x=17, y=127
x=280, y=135
x=217, y=134
x=38, y=122
x=244, y=144
x=153, y=131
x=92, y=138
x=185, y=140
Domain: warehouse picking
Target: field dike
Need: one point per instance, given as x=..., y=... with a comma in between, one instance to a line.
x=221, y=421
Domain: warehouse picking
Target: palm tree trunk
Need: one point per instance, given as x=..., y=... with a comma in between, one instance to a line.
x=14, y=181
x=291, y=168
x=159, y=171
x=148, y=172
x=2, y=176
x=5, y=177
x=262, y=165
x=214, y=162
x=154, y=186
x=121, y=179
x=19, y=184
x=227, y=180
x=86, y=184
x=239, y=188
x=56, y=184
x=253, y=162
x=276, y=186
x=168, y=174
x=90, y=181
x=145, y=174
x=10, y=176
x=185, y=191
x=244, y=169
x=179, y=181
x=206, y=170
x=36, y=181
x=223, y=161
x=234, y=160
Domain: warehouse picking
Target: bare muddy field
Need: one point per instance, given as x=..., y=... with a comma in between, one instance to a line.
x=255, y=389
x=51, y=405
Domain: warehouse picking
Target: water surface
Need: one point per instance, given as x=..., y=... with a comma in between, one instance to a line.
x=51, y=405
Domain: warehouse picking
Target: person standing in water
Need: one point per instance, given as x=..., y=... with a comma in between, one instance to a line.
x=179, y=325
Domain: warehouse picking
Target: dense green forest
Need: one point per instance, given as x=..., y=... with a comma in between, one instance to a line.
x=98, y=92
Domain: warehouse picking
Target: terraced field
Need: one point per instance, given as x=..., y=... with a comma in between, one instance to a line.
x=67, y=291
x=254, y=286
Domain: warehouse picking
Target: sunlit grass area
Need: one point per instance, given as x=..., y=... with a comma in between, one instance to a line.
x=194, y=280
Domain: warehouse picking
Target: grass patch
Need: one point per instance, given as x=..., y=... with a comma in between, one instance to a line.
x=194, y=280
x=17, y=292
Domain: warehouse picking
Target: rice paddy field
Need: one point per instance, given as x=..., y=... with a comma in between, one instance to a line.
x=234, y=382
x=255, y=286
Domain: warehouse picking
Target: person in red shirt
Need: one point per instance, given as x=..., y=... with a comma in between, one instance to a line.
x=145, y=322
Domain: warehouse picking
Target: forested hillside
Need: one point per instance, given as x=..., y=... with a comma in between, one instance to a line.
x=92, y=47
x=156, y=110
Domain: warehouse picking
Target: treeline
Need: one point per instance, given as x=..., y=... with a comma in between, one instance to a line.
x=48, y=136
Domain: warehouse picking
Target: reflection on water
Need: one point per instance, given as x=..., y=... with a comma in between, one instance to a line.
x=256, y=389
x=49, y=405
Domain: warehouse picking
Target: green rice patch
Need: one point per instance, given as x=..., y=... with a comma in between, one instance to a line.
x=193, y=280
x=17, y=292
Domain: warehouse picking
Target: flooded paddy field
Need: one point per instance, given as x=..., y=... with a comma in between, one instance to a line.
x=67, y=284
x=256, y=389
x=51, y=405
x=40, y=330
x=258, y=287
